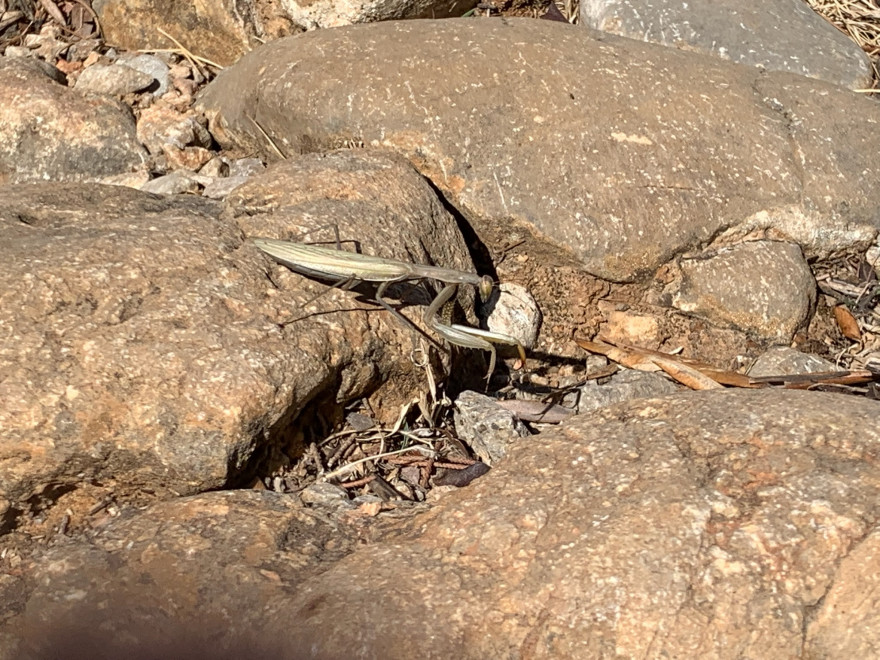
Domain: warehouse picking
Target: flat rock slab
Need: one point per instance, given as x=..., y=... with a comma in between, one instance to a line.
x=779, y=35
x=49, y=131
x=144, y=346
x=623, y=153
x=721, y=524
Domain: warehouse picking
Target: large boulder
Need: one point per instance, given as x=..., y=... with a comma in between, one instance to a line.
x=51, y=132
x=148, y=346
x=621, y=153
x=714, y=524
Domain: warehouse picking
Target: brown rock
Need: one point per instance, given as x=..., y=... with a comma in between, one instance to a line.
x=847, y=624
x=219, y=30
x=721, y=524
x=160, y=125
x=188, y=158
x=144, y=344
x=127, y=317
x=763, y=287
x=566, y=147
x=48, y=131
x=698, y=525
x=206, y=563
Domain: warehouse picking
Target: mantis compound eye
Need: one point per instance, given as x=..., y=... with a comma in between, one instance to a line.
x=486, y=286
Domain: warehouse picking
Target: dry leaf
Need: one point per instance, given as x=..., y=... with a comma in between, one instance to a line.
x=53, y=11
x=686, y=375
x=632, y=359
x=694, y=370
x=847, y=323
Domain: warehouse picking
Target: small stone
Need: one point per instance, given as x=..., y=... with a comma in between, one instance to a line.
x=188, y=158
x=218, y=166
x=175, y=183
x=872, y=256
x=112, y=80
x=785, y=361
x=631, y=328
x=177, y=100
x=180, y=70
x=45, y=46
x=17, y=51
x=626, y=384
x=92, y=59
x=487, y=427
x=359, y=421
x=220, y=188
x=324, y=494
x=152, y=66
x=129, y=179
x=82, y=49
x=246, y=167
x=67, y=67
x=160, y=125
x=186, y=87
x=513, y=311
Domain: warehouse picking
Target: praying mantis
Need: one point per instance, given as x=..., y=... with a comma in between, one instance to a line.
x=344, y=267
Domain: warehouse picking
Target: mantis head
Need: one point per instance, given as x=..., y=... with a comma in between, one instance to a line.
x=486, y=286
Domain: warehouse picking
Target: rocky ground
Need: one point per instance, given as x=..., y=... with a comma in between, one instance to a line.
x=663, y=221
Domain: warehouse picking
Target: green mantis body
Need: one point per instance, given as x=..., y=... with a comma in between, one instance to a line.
x=345, y=267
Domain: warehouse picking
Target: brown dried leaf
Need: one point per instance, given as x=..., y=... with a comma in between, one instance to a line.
x=718, y=375
x=847, y=323
x=685, y=375
x=634, y=359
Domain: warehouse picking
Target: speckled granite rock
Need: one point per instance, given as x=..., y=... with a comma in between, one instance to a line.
x=722, y=524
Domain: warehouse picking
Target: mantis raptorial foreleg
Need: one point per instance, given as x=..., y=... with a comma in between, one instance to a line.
x=462, y=335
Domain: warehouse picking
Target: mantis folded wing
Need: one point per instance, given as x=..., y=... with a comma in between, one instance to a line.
x=329, y=263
